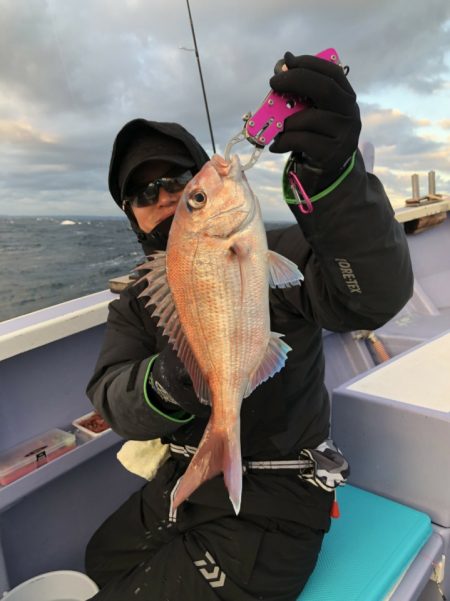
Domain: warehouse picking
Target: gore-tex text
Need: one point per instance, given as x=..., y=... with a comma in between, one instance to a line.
x=349, y=276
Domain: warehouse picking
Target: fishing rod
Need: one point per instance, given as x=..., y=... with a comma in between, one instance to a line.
x=201, y=77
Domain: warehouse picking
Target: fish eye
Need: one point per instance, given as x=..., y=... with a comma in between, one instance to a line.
x=197, y=199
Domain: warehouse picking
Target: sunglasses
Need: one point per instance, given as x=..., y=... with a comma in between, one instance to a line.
x=149, y=196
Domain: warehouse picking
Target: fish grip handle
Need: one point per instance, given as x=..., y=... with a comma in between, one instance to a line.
x=261, y=127
x=268, y=120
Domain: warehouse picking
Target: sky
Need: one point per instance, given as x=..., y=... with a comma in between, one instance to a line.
x=73, y=72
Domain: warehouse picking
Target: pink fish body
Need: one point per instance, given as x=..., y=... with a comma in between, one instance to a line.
x=211, y=289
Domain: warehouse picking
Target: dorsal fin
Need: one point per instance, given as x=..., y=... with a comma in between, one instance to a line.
x=160, y=296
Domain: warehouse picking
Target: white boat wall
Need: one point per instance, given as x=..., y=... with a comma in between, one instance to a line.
x=391, y=419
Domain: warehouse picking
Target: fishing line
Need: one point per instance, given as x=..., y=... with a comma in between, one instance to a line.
x=197, y=56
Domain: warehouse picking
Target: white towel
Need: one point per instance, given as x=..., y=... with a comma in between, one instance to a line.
x=143, y=457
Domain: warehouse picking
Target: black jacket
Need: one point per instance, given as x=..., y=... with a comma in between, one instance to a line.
x=356, y=264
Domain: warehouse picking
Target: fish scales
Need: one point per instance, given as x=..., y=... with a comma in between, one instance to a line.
x=218, y=269
x=226, y=328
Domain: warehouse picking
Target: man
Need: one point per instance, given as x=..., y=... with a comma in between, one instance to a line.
x=357, y=270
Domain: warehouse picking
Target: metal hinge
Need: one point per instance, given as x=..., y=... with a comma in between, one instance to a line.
x=438, y=575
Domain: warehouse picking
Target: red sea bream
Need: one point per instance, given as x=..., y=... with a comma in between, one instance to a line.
x=211, y=291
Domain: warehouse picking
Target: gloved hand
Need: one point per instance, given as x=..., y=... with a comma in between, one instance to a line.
x=324, y=136
x=170, y=381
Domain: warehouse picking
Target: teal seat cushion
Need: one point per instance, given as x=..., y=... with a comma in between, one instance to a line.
x=367, y=549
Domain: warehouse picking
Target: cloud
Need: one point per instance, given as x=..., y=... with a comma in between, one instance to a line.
x=72, y=74
x=21, y=132
x=265, y=180
x=393, y=129
x=401, y=149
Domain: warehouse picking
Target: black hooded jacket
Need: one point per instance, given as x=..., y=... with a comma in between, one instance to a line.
x=357, y=270
x=157, y=239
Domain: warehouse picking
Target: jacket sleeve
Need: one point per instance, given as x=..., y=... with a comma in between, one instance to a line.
x=118, y=389
x=353, y=254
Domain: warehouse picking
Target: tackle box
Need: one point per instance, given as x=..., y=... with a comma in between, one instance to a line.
x=33, y=453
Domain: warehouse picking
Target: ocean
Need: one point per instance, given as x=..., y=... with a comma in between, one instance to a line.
x=48, y=260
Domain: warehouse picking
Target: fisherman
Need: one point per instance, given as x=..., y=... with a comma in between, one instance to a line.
x=357, y=270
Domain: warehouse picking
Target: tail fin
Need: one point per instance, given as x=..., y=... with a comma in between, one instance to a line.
x=219, y=451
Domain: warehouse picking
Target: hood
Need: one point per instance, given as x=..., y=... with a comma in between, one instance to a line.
x=132, y=132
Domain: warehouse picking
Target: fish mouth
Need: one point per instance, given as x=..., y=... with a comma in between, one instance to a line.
x=244, y=213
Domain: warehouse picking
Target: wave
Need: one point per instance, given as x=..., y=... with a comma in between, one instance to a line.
x=43, y=265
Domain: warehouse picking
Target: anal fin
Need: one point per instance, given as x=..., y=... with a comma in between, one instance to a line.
x=272, y=362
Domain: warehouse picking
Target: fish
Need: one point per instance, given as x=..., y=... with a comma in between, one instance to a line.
x=211, y=292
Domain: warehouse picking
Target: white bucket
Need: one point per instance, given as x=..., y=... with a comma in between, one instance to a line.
x=63, y=585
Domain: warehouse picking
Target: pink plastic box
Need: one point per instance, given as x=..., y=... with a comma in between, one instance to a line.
x=32, y=454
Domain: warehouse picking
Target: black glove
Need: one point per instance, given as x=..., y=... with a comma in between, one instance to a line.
x=172, y=385
x=324, y=136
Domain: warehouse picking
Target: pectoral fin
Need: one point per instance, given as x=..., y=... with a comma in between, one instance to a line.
x=283, y=273
x=273, y=361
